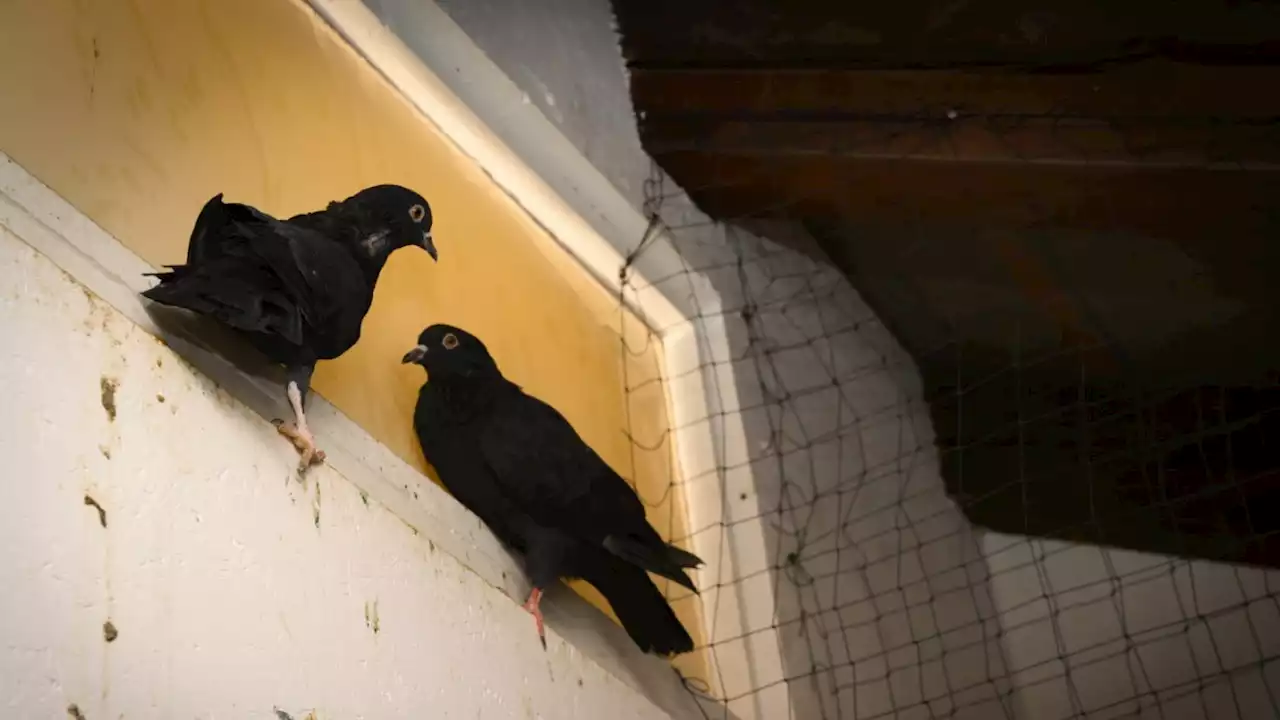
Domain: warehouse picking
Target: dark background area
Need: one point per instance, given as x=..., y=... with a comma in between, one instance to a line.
x=1068, y=212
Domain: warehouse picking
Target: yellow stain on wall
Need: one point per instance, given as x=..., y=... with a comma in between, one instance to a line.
x=138, y=112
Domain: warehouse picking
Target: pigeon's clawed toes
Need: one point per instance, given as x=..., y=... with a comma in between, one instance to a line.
x=304, y=441
x=531, y=606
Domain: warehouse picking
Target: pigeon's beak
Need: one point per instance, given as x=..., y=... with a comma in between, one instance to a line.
x=429, y=245
x=415, y=355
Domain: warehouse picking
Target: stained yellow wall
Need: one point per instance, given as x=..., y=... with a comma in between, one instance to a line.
x=138, y=112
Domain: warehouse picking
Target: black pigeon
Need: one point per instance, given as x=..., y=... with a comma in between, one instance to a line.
x=519, y=465
x=297, y=289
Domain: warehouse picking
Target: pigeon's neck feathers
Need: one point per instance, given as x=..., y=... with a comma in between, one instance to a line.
x=477, y=369
x=466, y=396
x=365, y=235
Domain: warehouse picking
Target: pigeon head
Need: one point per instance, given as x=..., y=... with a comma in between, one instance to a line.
x=446, y=351
x=406, y=214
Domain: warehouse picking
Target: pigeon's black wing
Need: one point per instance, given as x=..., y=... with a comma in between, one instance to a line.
x=331, y=291
x=299, y=292
x=544, y=468
x=218, y=222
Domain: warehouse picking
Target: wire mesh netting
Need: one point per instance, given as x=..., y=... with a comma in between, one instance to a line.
x=973, y=502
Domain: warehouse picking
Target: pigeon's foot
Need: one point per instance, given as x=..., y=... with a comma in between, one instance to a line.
x=531, y=606
x=304, y=441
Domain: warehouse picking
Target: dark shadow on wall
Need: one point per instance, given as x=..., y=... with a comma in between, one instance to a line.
x=1102, y=389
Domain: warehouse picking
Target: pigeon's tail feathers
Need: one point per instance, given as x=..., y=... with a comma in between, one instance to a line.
x=655, y=556
x=212, y=218
x=683, y=558
x=231, y=293
x=641, y=608
x=227, y=279
x=170, y=272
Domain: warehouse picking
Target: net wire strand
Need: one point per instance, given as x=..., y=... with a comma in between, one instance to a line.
x=900, y=607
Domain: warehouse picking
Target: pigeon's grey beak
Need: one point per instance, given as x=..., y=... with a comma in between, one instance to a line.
x=429, y=245
x=415, y=355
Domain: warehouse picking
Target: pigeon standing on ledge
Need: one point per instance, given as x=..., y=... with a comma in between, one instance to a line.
x=516, y=462
x=296, y=289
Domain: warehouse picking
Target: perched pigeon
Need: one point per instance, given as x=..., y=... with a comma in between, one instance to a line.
x=520, y=466
x=297, y=289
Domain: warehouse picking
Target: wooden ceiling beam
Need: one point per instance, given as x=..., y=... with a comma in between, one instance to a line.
x=1026, y=141
x=1197, y=205
x=1152, y=88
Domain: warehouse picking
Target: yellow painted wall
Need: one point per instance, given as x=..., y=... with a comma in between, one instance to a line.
x=138, y=111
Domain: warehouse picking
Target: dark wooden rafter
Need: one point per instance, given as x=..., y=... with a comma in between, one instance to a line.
x=1048, y=35
x=1152, y=88
x=1161, y=202
x=1157, y=148
x=1158, y=113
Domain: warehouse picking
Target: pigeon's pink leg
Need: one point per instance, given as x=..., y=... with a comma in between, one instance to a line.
x=298, y=432
x=531, y=606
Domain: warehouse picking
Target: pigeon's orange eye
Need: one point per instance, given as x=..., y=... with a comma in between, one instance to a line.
x=416, y=213
x=450, y=341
